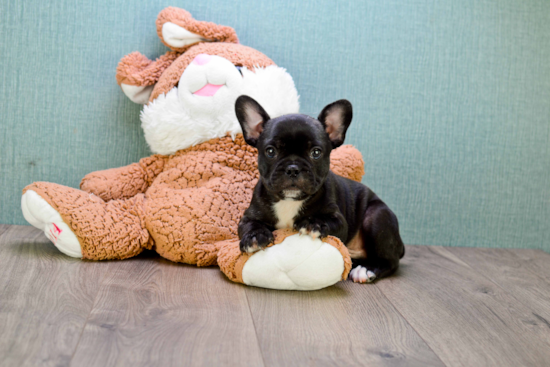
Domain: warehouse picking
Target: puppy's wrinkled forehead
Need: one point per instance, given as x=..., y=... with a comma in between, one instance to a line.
x=294, y=132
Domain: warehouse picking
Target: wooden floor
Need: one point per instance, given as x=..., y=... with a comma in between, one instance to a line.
x=445, y=307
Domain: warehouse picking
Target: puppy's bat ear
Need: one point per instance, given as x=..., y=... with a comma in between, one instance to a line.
x=252, y=118
x=336, y=118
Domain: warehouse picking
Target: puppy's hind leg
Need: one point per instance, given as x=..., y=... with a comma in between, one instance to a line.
x=382, y=243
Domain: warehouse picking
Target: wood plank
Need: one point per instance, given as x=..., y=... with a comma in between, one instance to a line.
x=3, y=228
x=464, y=317
x=347, y=324
x=536, y=260
x=511, y=273
x=45, y=298
x=152, y=312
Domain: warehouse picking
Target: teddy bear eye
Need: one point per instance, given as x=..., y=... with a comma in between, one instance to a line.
x=316, y=153
x=239, y=69
x=270, y=151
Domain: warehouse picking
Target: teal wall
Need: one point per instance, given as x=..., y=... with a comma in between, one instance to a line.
x=451, y=98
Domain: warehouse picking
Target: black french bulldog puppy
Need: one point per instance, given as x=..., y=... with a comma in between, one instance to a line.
x=297, y=190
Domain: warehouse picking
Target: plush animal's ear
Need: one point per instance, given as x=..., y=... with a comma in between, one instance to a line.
x=137, y=75
x=336, y=118
x=178, y=30
x=138, y=94
x=177, y=37
x=252, y=118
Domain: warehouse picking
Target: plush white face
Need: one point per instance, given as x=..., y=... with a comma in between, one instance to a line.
x=202, y=106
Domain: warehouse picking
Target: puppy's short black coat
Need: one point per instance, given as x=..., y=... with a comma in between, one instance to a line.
x=297, y=189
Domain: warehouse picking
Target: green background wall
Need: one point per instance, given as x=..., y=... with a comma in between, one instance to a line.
x=451, y=98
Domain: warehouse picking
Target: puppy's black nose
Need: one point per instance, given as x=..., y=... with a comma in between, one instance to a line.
x=292, y=170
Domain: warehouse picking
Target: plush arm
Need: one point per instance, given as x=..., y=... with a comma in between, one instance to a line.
x=347, y=161
x=137, y=75
x=137, y=70
x=124, y=182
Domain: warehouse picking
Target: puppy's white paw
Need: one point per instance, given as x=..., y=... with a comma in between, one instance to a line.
x=253, y=246
x=314, y=234
x=360, y=274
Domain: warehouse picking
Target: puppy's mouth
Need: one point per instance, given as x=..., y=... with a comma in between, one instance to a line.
x=291, y=193
x=208, y=90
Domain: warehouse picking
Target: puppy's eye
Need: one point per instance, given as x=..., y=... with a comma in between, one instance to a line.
x=316, y=153
x=270, y=152
x=239, y=69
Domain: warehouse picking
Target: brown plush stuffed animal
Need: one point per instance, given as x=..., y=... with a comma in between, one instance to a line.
x=187, y=199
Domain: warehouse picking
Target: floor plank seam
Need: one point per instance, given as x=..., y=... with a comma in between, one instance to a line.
x=255, y=330
x=408, y=323
x=88, y=317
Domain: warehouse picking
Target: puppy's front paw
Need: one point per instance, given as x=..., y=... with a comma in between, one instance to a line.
x=255, y=240
x=315, y=227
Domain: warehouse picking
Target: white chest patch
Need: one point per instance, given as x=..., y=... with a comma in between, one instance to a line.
x=286, y=211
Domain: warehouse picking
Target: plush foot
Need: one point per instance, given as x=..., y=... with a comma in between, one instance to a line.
x=360, y=274
x=297, y=263
x=41, y=215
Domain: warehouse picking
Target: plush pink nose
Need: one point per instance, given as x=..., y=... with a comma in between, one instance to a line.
x=202, y=59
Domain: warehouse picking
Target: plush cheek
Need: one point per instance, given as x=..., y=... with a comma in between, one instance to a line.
x=192, y=80
x=226, y=74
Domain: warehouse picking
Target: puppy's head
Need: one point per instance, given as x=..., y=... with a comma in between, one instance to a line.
x=293, y=150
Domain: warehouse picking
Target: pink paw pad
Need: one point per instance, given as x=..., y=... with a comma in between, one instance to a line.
x=57, y=229
x=53, y=233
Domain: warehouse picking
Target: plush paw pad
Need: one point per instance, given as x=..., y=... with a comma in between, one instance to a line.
x=43, y=216
x=360, y=274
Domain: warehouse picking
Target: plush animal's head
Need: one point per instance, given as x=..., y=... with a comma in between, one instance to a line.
x=189, y=93
x=293, y=150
